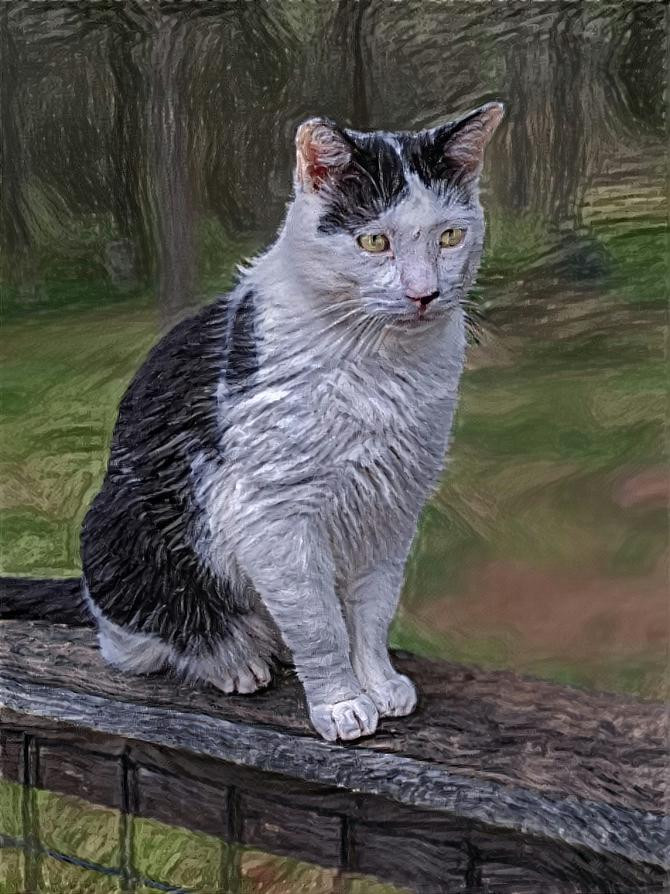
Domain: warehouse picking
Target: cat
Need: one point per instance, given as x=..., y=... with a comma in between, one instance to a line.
x=273, y=454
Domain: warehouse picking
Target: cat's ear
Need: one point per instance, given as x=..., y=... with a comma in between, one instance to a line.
x=461, y=143
x=322, y=152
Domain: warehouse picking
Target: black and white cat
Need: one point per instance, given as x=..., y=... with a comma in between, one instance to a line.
x=272, y=455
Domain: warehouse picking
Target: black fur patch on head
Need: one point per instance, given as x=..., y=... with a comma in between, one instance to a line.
x=376, y=177
x=424, y=154
x=373, y=181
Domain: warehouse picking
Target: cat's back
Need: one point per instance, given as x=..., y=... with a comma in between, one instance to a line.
x=170, y=408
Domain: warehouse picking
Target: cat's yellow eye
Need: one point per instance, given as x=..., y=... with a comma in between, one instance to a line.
x=452, y=237
x=373, y=242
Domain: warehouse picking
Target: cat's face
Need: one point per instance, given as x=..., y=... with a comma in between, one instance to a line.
x=390, y=223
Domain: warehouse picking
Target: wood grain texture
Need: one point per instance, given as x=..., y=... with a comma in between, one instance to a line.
x=428, y=850
x=584, y=768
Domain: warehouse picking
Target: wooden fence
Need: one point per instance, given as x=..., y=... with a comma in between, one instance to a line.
x=497, y=783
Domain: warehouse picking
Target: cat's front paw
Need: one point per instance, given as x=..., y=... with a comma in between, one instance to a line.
x=394, y=697
x=349, y=719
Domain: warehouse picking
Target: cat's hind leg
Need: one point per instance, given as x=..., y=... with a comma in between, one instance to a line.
x=239, y=661
x=135, y=653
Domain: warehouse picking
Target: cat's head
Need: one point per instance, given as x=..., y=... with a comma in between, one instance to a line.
x=391, y=222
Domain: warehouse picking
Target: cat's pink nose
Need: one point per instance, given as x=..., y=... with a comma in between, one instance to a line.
x=425, y=299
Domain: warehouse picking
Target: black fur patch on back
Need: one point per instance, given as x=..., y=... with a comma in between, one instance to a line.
x=242, y=350
x=138, y=537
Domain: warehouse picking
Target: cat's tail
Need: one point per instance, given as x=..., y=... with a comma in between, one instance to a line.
x=60, y=601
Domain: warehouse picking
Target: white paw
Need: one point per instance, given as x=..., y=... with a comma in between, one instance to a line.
x=395, y=697
x=349, y=719
x=246, y=679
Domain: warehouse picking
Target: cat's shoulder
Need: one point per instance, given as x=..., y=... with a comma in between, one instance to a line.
x=217, y=340
x=175, y=389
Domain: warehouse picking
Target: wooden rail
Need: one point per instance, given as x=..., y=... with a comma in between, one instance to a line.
x=581, y=767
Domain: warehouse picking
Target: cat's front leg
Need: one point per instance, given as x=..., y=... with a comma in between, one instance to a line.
x=369, y=604
x=292, y=571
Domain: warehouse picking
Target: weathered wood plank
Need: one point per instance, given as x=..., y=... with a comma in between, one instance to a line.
x=163, y=798
x=293, y=831
x=427, y=849
x=87, y=775
x=584, y=768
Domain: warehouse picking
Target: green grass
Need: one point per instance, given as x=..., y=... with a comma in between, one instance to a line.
x=72, y=826
x=11, y=800
x=63, y=376
x=58, y=877
x=11, y=871
x=641, y=674
x=187, y=859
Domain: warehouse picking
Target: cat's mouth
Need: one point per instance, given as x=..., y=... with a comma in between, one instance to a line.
x=421, y=317
x=414, y=323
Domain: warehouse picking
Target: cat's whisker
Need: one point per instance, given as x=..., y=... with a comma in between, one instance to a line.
x=381, y=334
x=339, y=321
x=353, y=336
x=371, y=336
x=338, y=308
x=335, y=309
x=366, y=328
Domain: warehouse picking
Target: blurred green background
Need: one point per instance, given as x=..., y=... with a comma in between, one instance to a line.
x=147, y=149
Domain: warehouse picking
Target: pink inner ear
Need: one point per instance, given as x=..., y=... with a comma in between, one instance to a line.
x=318, y=173
x=321, y=151
x=315, y=169
x=466, y=146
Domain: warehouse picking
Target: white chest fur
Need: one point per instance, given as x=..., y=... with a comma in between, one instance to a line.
x=356, y=447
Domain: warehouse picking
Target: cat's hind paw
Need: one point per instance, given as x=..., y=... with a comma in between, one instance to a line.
x=248, y=678
x=345, y=720
x=395, y=697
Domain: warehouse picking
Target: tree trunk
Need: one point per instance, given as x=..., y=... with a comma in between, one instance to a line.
x=169, y=177
x=14, y=220
x=128, y=161
x=348, y=32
